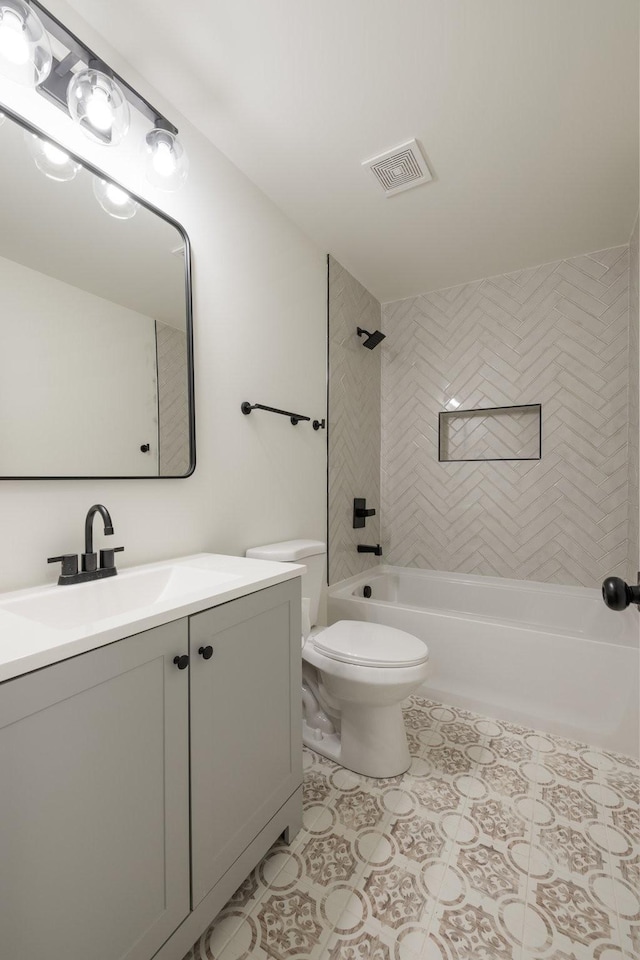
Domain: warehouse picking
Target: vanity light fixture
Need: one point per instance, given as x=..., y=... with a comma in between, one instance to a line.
x=84, y=86
x=25, y=48
x=114, y=200
x=166, y=162
x=99, y=106
x=54, y=162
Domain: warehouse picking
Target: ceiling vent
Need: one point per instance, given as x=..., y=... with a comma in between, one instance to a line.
x=400, y=169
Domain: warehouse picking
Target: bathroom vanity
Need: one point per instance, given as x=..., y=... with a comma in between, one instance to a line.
x=149, y=758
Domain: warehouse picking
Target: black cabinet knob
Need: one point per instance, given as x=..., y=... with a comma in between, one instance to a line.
x=206, y=652
x=181, y=662
x=618, y=595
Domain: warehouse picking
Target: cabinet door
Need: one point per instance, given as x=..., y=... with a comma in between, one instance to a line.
x=94, y=820
x=246, y=751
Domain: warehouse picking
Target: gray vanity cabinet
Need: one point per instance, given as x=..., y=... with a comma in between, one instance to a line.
x=246, y=750
x=94, y=792
x=97, y=861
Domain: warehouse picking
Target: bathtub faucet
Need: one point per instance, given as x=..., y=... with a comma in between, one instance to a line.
x=367, y=548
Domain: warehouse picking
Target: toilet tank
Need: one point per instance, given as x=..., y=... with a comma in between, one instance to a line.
x=311, y=553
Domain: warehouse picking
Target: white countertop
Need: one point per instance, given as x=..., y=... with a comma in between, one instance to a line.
x=43, y=625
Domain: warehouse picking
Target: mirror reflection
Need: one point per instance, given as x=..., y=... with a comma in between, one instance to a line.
x=95, y=323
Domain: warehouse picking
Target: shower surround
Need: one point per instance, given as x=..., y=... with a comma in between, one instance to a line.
x=354, y=421
x=634, y=406
x=557, y=334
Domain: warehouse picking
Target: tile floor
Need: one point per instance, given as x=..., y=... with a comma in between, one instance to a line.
x=499, y=843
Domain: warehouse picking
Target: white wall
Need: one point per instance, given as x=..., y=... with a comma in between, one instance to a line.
x=62, y=351
x=260, y=335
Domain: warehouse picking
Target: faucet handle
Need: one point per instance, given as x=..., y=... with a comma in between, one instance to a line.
x=89, y=562
x=69, y=563
x=107, y=559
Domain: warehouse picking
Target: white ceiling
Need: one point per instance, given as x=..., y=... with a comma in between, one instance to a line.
x=527, y=111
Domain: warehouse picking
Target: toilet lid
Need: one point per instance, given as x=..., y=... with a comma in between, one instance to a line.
x=370, y=644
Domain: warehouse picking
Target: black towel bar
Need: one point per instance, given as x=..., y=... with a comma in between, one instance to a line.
x=295, y=418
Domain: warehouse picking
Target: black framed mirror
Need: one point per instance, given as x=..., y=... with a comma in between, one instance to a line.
x=96, y=327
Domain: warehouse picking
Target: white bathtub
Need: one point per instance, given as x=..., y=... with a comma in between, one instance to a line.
x=547, y=656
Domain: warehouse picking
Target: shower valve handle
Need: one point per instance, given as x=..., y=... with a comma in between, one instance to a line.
x=360, y=512
x=617, y=594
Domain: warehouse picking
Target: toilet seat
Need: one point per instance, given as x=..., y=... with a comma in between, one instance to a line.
x=370, y=644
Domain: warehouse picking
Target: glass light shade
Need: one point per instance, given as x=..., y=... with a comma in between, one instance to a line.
x=54, y=162
x=166, y=161
x=114, y=200
x=98, y=105
x=25, y=50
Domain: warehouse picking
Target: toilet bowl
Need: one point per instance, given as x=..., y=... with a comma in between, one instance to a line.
x=355, y=676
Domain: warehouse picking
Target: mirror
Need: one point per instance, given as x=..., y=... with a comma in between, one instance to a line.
x=96, y=371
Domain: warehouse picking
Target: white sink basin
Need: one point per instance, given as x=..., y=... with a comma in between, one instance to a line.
x=43, y=625
x=89, y=603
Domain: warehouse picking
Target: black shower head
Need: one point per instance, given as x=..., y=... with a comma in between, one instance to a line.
x=373, y=339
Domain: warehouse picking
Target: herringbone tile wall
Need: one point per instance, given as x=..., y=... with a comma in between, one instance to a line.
x=173, y=401
x=634, y=412
x=558, y=335
x=354, y=422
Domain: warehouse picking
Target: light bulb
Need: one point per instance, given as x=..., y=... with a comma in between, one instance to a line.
x=116, y=195
x=98, y=105
x=25, y=50
x=166, y=161
x=50, y=159
x=55, y=154
x=14, y=45
x=99, y=111
x=114, y=200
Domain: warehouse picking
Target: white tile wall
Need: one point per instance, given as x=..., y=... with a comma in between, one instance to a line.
x=634, y=410
x=173, y=402
x=354, y=422
x=557, y=334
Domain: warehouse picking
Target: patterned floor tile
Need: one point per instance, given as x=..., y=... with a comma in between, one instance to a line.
x=290, y=924
x=499, y=843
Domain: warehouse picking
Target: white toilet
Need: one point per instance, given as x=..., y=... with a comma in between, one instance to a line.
x=355, y=676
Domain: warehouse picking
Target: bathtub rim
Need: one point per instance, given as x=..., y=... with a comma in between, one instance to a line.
x=343, y=590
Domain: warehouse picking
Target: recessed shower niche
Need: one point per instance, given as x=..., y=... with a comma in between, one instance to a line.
x=491, y=433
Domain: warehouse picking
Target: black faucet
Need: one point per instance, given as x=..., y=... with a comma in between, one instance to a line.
x=90, y=569
x=365, y=548
x=89, y=558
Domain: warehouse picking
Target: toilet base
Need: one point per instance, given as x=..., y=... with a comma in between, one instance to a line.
x=372, y=742
x=326, y=744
